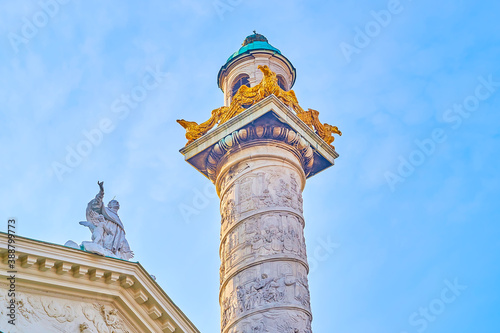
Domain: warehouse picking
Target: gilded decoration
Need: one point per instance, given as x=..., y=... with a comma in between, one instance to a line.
x=246, y=97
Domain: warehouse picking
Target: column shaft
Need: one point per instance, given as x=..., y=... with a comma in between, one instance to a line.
x=264, y=267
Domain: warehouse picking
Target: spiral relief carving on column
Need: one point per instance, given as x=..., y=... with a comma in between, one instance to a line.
x=258, y=150
x=264, y=285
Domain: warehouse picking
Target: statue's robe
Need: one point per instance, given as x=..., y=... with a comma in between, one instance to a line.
x=114, y=240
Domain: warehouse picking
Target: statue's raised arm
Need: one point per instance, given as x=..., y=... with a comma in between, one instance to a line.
x=97, y=202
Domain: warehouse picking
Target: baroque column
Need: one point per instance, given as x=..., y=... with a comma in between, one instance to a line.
x=263, y=254
x=259, y=149
x=259, y=162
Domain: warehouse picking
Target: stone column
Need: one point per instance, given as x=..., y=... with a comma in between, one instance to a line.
x=259, y=161
x=260, y=173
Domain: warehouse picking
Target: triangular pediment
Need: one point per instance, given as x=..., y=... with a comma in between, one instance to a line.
x=60, y=288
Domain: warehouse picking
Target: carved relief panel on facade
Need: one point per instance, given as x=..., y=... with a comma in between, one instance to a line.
x=49, y=314
x=271, y=284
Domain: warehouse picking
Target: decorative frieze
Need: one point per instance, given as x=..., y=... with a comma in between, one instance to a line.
x=274, y=320
x=266, y=188
x=261, y=132
x=48, y=314
x=266, y=236
x=263, y=253
x=264, y=287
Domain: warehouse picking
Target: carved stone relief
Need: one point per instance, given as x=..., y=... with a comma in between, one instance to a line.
x=271, y=284
x=228, y=209
x=263, y=271
x=49, y=314
x=272, y=188
x=259, y=190
x=273, y=321
x=258, y=237
x=233, y=172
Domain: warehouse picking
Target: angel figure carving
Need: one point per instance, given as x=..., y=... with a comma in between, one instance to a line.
x=108, y=234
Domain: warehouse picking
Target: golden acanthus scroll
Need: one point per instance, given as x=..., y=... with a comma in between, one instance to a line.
x=246, y=97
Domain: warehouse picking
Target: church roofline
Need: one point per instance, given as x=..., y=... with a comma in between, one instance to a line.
x=52, y=265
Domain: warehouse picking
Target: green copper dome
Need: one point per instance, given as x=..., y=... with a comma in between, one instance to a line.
x=254, y=42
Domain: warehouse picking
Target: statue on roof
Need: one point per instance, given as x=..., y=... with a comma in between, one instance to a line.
x=108, y=233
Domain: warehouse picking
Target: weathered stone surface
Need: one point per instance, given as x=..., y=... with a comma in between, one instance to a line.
x=259, y=162
x=41, y=313
x=108, y=233
x=264, y=267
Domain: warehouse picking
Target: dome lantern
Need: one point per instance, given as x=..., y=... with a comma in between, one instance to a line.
x=241, y=68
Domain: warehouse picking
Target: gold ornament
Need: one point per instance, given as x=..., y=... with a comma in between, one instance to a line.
x=246, y=97
x=325, y=131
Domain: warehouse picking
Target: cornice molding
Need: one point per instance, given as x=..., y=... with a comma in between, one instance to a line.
x=251, y=135
x=73, y=272
x=196, y=153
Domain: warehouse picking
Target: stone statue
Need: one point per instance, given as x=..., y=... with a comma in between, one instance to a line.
x=108, y=234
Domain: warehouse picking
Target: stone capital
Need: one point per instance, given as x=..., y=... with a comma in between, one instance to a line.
x=265, y=122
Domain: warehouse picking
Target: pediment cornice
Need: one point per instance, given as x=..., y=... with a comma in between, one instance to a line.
x=66, y=271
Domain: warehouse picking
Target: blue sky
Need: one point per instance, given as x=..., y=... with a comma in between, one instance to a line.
x=410, y=210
